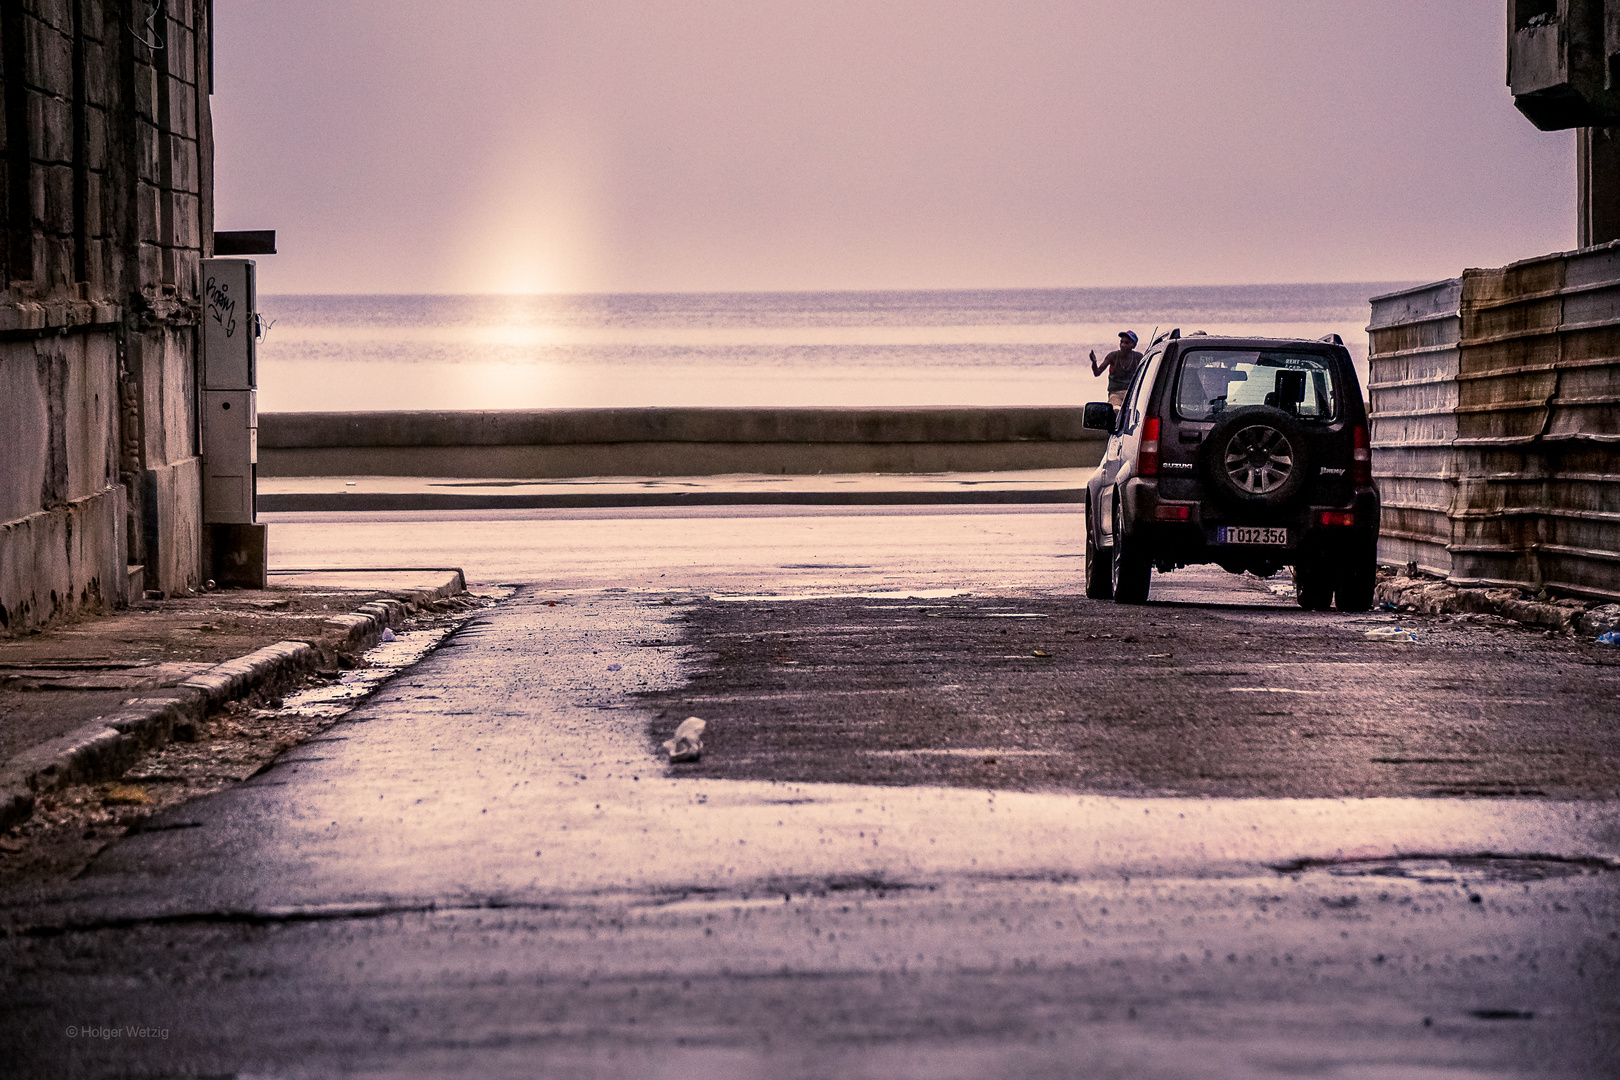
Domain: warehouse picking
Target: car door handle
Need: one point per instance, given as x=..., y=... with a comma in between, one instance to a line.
x=1190, y=436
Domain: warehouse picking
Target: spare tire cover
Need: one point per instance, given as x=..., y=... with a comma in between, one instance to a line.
x=1257, y=456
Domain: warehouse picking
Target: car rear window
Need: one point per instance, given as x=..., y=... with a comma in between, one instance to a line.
x=1214, y=380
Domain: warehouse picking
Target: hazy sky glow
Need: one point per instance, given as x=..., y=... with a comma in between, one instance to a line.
x=637, y=145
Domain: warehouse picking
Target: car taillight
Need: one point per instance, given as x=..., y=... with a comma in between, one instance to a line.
x=1360, y=458
x=1147, y=452
x=1338, y=517
x=1167, y=512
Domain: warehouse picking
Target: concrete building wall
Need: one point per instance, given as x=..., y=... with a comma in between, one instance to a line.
x=106, y=178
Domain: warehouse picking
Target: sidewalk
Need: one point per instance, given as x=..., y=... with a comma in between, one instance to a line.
x=81, y=701
x=378, y=493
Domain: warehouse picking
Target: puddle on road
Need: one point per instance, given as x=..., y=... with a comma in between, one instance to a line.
x=385, y=660
x=904, y=594
x=984, y=752
x=1470, y=869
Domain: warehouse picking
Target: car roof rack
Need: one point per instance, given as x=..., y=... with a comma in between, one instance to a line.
x=1333, y=339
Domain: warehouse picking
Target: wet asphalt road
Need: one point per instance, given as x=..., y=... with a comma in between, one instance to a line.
x=487, y=870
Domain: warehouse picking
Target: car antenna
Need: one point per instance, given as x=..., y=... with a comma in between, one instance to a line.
x=1153, y=338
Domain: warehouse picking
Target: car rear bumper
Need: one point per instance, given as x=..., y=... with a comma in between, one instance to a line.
x=1190, y=532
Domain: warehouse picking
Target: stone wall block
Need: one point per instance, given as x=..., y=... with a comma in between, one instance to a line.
x=183, y=167
x=151, y=263
x=148, y=217
x=56, y=14
x=95, y=122
x=54, y=254
x=187, y=272
x=176, y=494
x=182, y=109
x=109, y=221
x=185, y=222
x=145, y=87
x=103, y=262
x=184, y=18
x=92, y=200
x=149, y=154
x=90, y=420
x=100, y=75
x=48, y=65
x=169, y=393
x=24, y=430
x=57, y=213
x=62, y=561
x=50, y=128
x=183, y=58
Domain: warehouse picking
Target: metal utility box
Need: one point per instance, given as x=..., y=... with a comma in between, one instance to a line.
x=1564, y=62
x=230, y=421
x=230, y=322
x=230, y=450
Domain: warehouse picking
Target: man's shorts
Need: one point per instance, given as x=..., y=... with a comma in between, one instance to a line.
x=1117, y=398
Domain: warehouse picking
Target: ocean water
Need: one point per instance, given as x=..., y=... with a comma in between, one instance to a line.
x=938, y=347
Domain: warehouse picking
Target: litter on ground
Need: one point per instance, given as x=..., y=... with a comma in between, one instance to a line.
x=687, y=745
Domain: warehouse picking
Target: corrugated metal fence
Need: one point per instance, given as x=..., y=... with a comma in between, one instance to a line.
x=1495, y=402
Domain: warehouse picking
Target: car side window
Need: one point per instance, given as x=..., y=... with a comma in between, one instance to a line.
x=1136, y=395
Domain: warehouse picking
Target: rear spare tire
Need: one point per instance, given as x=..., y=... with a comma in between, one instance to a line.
x=1256, y=457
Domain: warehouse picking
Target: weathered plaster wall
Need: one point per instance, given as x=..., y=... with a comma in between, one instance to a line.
x=106, y=177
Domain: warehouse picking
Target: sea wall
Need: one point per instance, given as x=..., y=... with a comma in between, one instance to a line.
x=673, y=441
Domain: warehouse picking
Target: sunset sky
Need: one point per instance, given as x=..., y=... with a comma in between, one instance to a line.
x=637, y=146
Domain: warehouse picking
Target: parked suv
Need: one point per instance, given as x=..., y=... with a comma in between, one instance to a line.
x=1247, y=452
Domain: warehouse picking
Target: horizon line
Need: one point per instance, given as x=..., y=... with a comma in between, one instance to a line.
x=1397, y=283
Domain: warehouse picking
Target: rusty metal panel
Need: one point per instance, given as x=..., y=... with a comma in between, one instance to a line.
x=1538, y=425
x=1495, y=404
x=1412, y=403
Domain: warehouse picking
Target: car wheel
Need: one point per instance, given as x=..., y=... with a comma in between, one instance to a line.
x=1256, y=457
x=1313, y=586
x=1131, y=569
x=1357, y=581
x=1099, y=566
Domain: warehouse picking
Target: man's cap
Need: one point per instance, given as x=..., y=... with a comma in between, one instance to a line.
x=1129, y=334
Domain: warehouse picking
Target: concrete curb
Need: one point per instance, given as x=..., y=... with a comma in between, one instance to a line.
x=1434, y=597
x=376, y=501
x=105, y=747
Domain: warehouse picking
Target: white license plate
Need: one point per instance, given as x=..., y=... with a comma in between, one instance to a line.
x=1248, y=534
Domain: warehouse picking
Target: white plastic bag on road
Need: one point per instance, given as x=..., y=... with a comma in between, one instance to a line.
x=687, y=745
x=1392, y=633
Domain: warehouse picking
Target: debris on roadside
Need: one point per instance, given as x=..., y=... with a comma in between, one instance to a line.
x=1611, y=638
x=1391, y=634
x=126, y=795
x=1433, y=596
x=687, y=745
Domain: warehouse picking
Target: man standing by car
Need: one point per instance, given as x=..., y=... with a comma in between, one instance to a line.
x=1120, y=365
